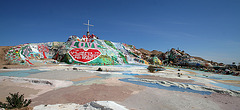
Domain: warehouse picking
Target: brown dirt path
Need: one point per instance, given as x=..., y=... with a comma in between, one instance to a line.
x=86, y=93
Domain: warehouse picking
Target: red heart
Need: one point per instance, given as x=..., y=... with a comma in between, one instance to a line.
x=81, y=55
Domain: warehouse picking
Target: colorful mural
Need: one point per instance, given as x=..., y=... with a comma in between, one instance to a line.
x=156, y=61
x=81, y=55
x=88, y=50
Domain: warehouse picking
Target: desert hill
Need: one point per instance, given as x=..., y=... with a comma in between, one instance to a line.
x=90, y=50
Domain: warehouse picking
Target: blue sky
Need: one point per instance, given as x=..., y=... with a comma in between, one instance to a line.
x=204, y=28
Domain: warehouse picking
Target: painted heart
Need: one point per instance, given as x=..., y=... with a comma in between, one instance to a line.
x=81, y=55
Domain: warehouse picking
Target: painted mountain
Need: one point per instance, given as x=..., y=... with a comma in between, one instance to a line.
x=88, y=50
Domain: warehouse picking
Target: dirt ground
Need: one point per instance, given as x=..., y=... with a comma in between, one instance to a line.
x=87, y=93
x=7, y=87
x=138, y=97
x=132, y=96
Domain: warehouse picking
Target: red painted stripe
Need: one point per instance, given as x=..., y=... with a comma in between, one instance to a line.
x=28, y=61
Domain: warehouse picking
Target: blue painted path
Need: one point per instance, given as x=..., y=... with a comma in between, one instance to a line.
x=22, y=73
x=171, y=88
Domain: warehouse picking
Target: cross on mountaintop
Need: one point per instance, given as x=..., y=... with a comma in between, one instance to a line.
x=88, y=25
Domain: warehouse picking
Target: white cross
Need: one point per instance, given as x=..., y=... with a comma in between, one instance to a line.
x=88, y=25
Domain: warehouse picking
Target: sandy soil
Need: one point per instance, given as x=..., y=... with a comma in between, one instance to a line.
x=87, y=93
x=159, y=99
x=225, y=102
x=7, y=87
x=13, y=66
